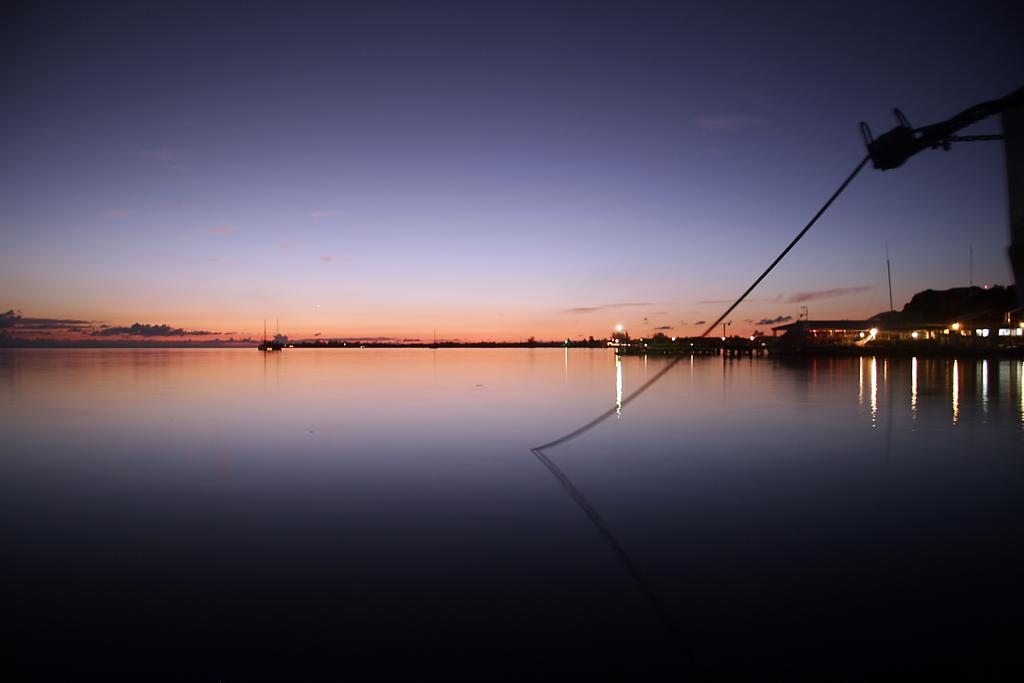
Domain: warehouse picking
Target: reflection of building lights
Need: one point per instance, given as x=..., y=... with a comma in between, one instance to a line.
x=913, y=386
x=860, y=382
x=984, y=384
x=618, y=386
x=956, y=391
x=874, y=390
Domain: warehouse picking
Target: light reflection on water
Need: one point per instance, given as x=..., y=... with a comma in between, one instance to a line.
x=956, y=392
x=380, y=479
x=913, y=386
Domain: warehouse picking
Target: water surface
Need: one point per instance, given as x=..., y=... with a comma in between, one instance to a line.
x=835, y=514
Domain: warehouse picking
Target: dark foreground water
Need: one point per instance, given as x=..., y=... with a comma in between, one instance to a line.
x=226, y=514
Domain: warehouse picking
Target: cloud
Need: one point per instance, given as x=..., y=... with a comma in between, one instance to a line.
x=120, y=213
x=12, y=320
x=825, y=294
x=701, y=322
x=168, y=157
x=327, y=258
x=591, y=309
x=729, y=301
x=317, y=215
x=144, y=330
x=222, y=230
x=773, y=321
x=727, y=122
x=164, y=154
x=664, y=327
x=9, y=319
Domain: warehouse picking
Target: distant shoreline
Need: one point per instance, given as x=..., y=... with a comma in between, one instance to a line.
x=597, y=344
x=774, y=352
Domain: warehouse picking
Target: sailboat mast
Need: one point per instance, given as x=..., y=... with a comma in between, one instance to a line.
x=888, y=269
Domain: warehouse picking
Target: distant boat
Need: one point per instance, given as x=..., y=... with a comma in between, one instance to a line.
x=269, y=345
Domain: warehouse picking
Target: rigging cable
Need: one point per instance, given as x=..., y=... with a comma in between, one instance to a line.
x=646, y=385
x=663, y=615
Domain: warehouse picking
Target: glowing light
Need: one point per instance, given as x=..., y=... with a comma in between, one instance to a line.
x=914, y=335
x=751, y=337
x=955, y=327
x=673, y=338
x=619, y=328
x=861, y=335
x=874, y=331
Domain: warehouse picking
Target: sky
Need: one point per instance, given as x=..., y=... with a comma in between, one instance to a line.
x=491, y=171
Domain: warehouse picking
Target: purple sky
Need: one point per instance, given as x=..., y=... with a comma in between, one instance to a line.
x=488, y=171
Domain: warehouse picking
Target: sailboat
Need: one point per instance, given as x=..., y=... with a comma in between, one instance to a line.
x=269, y=345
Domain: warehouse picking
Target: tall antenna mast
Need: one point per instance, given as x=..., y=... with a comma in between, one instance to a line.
x=888, y=270
x=264, y=330
x=972, y=265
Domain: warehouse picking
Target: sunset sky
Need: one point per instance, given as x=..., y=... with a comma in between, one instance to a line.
x=488, y=170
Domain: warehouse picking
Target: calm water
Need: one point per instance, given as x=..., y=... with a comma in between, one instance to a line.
x=805, y=516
